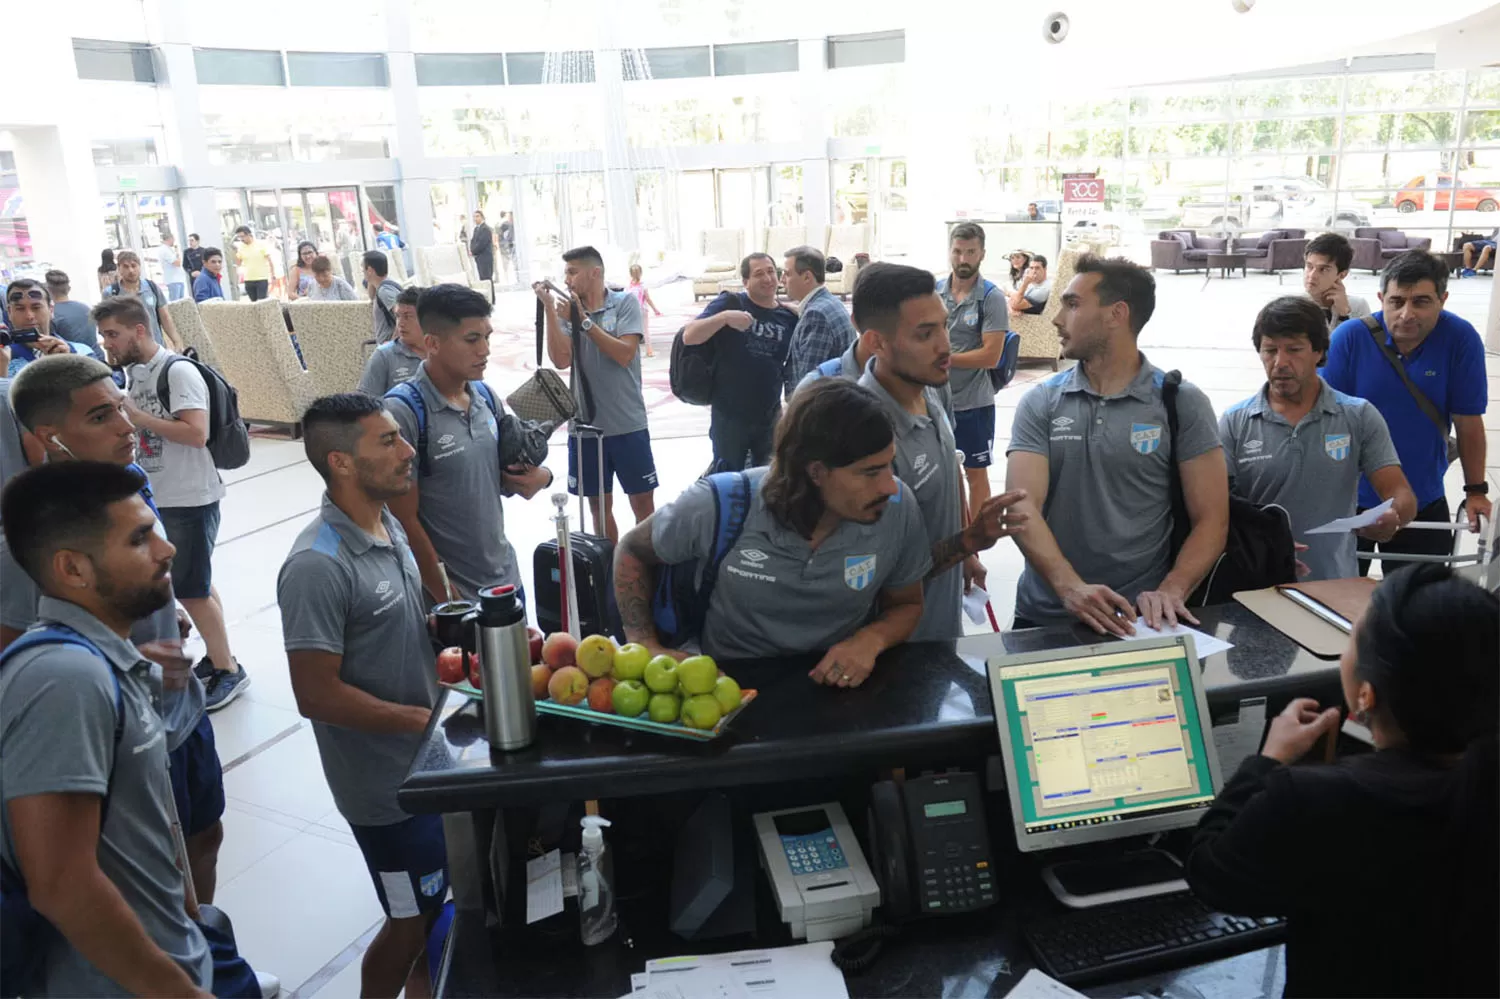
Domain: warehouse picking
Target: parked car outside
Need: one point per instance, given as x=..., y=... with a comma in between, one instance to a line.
x=1413, y=196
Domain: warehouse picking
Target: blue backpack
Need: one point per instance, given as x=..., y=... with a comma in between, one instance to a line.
x=25, y=935
x=409, y=394
x=1010, y=355
x=683, y=589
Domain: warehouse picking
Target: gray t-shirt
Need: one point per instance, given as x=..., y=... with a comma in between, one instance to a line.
x=389, y=365
x=1038, y=294
x=459, y=505
x=70, y=320
x=1110, y=465
x=345, y=592
x=927, y=463
x=775, y=596
x=1312, y=470
x=982, y=311
x=384, y=310
x=57, y=724
x=620, y=408
x=338, y=290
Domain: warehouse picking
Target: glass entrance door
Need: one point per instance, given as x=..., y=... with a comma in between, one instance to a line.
x=497, y=199
x=541, y=225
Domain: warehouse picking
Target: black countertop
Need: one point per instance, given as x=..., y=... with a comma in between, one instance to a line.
x=925, y=704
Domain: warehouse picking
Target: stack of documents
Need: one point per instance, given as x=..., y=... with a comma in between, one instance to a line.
x=774, y=973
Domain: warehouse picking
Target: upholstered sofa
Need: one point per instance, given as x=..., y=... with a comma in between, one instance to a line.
x=1273, y=250
x=849, y=244
x=1373, y=246
x=1038, y=336
x=334, y=338
x=1181, y=250
x=723, y=249
x=257, y=358
x=189, y=323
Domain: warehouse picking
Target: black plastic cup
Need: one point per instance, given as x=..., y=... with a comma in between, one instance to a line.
x=451, y=630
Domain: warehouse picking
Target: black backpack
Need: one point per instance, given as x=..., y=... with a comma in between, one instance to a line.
x=692, y=370
x=1259, y=550
x=228, y=437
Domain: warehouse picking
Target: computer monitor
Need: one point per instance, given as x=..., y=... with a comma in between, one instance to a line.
x=1104, y=741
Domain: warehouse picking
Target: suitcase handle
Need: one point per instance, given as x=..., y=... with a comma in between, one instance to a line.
x=580, y=431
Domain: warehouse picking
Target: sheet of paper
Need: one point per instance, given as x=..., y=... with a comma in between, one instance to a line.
x=1037, y=985
x=775, y=973
x=974, y=602
x=1344, y=525
x=544, y=886
x=1204, y=643
x=638, y=981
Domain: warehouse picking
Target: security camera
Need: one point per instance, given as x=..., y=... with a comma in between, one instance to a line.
x=1243, y=6
x=1055, y=27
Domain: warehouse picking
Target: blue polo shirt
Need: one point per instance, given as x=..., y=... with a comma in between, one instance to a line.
x=1448, y=367
x=206, y=286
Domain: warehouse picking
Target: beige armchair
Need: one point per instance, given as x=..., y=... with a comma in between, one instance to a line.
x=189, y=323
x=846, y=242
x=447, y=263
x=723, y=249
x=257, y=358
x=395, y=267
x=781, y=238
x=333, y=336
x=1038, y=335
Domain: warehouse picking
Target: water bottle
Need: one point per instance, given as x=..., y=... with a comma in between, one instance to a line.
x=505, y=662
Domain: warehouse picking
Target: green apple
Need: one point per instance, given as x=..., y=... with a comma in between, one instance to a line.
x=697, y=674
x=701, y=711
x=727, y=693
x=630, y=698
x=661, y=674
x=631, y=660
x=664, y=707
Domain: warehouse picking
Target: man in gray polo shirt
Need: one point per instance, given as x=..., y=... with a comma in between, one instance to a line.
x=354, y=620
x=905, y=325
x=1092, y=449
x=106, y=877
x=607, y=382
x=453, y=513
x=1301, y=444
x=977, y=324
x=832, y=554
x=396, y=360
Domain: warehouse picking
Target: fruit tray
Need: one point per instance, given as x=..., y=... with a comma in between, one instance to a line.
x=641, y=723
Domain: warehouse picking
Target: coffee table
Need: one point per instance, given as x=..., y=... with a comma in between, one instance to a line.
x=1226, y=263
x=1453, y=260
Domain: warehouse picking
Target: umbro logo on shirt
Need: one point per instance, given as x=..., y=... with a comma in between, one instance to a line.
x=919, y=462
x=1063, y=422
x=1254, y=445
x=754, y=555
x=445, y=441
x=383, y=588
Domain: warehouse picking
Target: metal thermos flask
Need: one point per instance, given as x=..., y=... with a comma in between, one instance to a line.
x=505, y=662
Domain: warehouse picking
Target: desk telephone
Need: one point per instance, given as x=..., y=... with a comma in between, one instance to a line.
x=932, y=855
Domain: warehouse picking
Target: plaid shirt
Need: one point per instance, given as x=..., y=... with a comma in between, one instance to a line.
x=824, y=331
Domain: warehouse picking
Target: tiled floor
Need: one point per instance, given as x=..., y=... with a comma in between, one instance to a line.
x=290, y=874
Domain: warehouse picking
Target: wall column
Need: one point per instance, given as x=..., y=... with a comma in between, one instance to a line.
x=812, y=82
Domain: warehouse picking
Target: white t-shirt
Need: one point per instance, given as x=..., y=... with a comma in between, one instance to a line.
x=181, y=476
x=171, y=273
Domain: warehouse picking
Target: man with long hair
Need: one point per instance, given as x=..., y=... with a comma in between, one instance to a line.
x=832, y=554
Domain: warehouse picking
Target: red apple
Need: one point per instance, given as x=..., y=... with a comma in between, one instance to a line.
x=476, y=677
x=560, y=649
x=602, y=694
x=534, y=639
x=540, y=674
x=569, y=685
x=450, y=665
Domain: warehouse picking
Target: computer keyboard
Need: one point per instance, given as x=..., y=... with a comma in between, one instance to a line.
x=1119, y=941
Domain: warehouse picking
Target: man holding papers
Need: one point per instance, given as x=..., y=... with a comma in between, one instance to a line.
x=1303, y=445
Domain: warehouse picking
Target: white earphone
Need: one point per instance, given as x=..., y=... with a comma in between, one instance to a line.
x=63, y=446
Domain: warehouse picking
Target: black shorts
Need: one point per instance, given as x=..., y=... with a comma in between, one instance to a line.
x=197, y=780
x=193, y=530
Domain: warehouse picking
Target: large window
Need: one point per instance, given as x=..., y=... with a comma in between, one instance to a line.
x=549, y=67
x=336, y=69
x=243, y=67
x=755, y=57
x=262, y=125
x=126, y=62
x=866, y=50
x=460, y=70
x=677, y=63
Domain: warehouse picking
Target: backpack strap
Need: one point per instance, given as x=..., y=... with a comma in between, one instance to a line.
x=164, y=385
x=146, y=493
x=732, y=492
x=411, y=396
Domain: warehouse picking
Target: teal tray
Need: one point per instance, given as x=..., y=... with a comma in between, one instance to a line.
x=641, y=723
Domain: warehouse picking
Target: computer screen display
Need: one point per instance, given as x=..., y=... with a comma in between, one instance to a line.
x=1103, y=742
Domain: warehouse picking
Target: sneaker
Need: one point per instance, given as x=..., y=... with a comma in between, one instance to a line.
x=1468, y=272
x=225, y=687
x=270, y=985
x=204, y=669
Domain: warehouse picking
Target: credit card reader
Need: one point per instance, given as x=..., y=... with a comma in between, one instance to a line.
x=824, y=889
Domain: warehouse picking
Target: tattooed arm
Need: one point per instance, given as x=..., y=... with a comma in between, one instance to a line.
x=635, y=580
x=993, y=521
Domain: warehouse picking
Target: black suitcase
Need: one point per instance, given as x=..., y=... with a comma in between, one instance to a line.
x=593, y=569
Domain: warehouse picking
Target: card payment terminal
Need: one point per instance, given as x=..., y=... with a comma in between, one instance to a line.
x=824, y=889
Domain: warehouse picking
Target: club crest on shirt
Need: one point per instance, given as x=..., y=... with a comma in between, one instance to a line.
x=1337, y=446
x=1145, y=437
x=859, y=571
x=432, y=883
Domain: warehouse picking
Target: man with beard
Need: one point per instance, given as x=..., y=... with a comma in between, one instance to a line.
x=1092, y=449
x=354, y=621
x=172, y=448
x=977, y=324
x=905, y=327
x=79, y=730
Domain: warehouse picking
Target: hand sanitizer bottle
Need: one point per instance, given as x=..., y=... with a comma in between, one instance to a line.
x=596, y=885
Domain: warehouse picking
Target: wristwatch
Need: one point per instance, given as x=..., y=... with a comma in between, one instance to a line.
x=1477, y=488
x=586, y=325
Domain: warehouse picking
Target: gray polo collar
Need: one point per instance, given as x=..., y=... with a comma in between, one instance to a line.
x=1144, y=387
x=121, y=654
x=349, y=532
x=1260, y=404
x=434, y=398
x=405, y=351
x=945, y=288
x=905, y=421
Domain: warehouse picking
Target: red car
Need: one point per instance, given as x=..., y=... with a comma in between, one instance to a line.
x=1411, y=197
